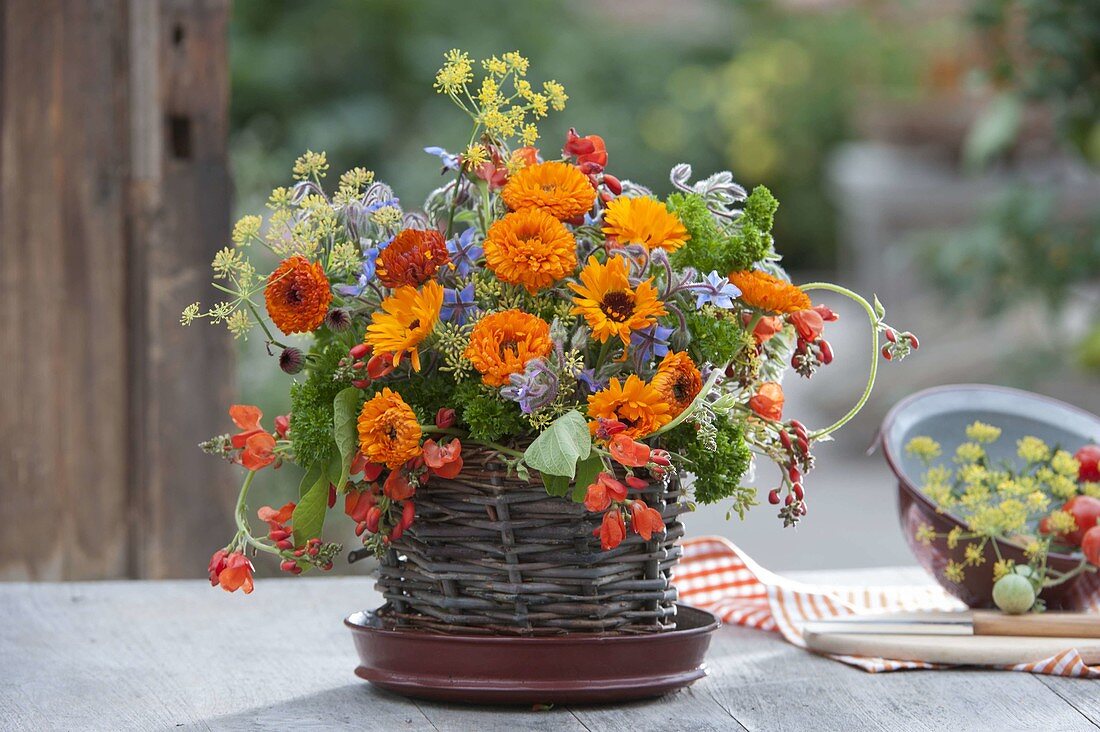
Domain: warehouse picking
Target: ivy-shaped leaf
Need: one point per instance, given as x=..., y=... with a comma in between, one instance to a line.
x=309, y=515
x=587, y=470
x=311, y=476
x=556, y=485
x=345, y=409
x=561, y=445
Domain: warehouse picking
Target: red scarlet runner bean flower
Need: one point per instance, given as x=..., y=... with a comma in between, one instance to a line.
x=645, y=520
x=613, y=529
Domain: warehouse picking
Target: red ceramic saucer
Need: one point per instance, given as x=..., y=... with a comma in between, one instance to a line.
x=566, y=669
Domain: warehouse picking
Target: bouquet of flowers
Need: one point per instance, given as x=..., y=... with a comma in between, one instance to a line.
x=1047, y=500
x=584, y=332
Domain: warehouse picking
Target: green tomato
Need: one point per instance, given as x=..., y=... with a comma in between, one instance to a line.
x=1014, y=594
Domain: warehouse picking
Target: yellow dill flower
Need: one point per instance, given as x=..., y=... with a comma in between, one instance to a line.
x=529, y=134
x=983, y=433
x=540, y=105
x=516, y=62
x=354, y=180
x=1063, y=486
x=924, y=448
x=310, y=165
x=974, y=554
x=938, y=474
x=1033, y=549
x=1091, y=489
x=279, y=199
x=940, y=494
x=973, y=474
x=953, y=537
x=239, y=323
x=925, y=534
x=1032, y=449
x=969, y=452
x=1008, y=487
x=1062, y=522
x=455, y=74
x=555, y=92
x=987, y=520
x=495, y=66
x=489, y=94
x=247, y=230
x=1065, y=464
x=953, y=572
x=524, y=89
x=1013, y=516
x=386, y=216
x=975, y=495
x=1037, y=501
x=475, y=156
x=1002, y=567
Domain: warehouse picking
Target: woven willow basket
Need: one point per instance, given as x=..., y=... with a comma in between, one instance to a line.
x=496, y=555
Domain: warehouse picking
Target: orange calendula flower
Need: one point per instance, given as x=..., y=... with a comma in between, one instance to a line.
x=678, y=381
x=297, y=295
x=768, y=401
x=560, y=189
x=610, y=305
x=407, y=317
x=502, y=343
x=412, y=258
x=389, y=432
x=770, y=294
x=530, y=248
x=633, y=402
x=644, y=221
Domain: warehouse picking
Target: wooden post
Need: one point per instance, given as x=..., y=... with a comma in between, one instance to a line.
x=114, y=196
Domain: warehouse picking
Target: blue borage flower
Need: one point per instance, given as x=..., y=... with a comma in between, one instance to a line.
x=450, y=162
x=717, y=291
x=535, y=388
x=463, y=252
x=367, y=272
x=458, y=305
x=651, y=341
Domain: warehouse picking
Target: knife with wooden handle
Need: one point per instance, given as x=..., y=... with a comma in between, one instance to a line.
x=969, y=623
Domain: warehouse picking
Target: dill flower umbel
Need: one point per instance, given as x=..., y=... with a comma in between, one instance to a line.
x=530, y=248
x=769, y=294
x=633, y=402
x=560, y=189
x=678, y=381
x=389, y=433
x=644, y=221
x=297, y=295
x=502, y=343
x=412, y=258
x=407, y=317
x=610, y=305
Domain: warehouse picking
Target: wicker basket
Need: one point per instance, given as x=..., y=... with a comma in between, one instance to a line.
x=497, y=555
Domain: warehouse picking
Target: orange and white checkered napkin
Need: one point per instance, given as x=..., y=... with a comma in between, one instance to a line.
x=716, y=575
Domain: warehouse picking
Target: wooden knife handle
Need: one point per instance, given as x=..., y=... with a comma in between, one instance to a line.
x=1049, y=624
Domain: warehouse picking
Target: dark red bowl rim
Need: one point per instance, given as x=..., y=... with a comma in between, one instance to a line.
x=512, y=640
x=917, y=493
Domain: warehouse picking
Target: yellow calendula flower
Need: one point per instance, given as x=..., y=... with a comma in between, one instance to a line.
x=645, y=221
x=1032, y=449
x=406, y=319
x=924, y=448
x=983, y=433
x=954, y=572
x=608, y=303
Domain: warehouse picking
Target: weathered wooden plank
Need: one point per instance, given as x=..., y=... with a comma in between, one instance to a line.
x=63, y=428
x=147, y=655
x=182, y=377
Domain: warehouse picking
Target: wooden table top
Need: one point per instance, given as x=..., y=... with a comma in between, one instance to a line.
x=180, y=654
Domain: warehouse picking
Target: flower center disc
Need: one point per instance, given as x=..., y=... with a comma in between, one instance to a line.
x=618, y=306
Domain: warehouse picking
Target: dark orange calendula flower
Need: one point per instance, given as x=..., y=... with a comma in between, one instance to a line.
x=389, y=432
x=297, y=295
x=502, y=343
x=627, y=452
x=768, y=402
x=644, y=520
x=412, y=258
x=769, y=294
x=678, y=381
x=613, y=529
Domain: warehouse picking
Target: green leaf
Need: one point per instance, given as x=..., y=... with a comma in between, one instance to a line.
x=556, y=485
x=587, y=470
x=557, y=450
x=309, y=514
x=994, y=131
x=345, y=412
x=311, y=476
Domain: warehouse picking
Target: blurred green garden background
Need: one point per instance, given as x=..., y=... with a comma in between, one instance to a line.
x=941, y=152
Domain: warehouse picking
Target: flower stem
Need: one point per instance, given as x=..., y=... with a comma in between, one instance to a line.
x=432, y=429
x=270, y=337
x=873, y=317
x=695, y=404
x=242, y=522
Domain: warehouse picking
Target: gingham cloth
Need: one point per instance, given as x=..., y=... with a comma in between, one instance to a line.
x=716, y=575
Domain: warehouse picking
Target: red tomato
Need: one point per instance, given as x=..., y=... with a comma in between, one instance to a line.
x=1089, y=457
x=1086, y=511
x=1090, y=545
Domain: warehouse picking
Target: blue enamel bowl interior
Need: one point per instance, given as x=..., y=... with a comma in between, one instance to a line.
x=944, y=412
